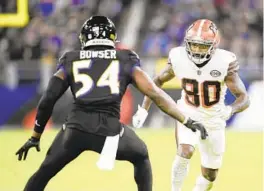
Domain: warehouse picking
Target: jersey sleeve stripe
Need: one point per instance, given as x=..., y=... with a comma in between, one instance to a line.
x=233, y=66
x=169, y=61
x=62, y=67
x=133, y=67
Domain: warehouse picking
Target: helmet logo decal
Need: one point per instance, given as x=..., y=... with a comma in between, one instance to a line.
x=213, y=28
x=190, y=27
x=96, y=31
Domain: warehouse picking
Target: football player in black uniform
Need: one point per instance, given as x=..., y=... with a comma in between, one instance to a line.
x=98, y=76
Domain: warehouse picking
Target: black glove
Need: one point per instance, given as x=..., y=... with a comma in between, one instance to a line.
x=32, y=142
x=194, y=125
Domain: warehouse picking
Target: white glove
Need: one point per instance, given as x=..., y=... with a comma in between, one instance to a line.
x=226, y=113
x=140, y=117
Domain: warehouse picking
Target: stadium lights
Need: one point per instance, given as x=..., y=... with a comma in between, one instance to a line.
x=18, y=19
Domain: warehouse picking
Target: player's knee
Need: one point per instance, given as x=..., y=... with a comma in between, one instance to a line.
x=185, y=151
x=49, y=163
x=210, y=177
x=210, y=174
x=141, y=154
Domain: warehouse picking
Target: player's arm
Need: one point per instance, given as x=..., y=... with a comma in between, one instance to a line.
x=157, y=95
x=57, y=86
x=163, y=100
x=237, y=88
x=166, y=75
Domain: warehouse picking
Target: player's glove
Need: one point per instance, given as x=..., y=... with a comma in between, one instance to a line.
x=194, y=126
x=140, y=117
x=32, y=142
x=226, y=113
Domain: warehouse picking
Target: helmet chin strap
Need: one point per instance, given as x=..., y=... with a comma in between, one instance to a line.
x=199, y=61
x=201, y=58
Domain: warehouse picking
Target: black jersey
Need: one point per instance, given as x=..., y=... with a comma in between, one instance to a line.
x=98, y=79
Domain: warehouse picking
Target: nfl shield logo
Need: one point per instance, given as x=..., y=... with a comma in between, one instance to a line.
x=215, y=73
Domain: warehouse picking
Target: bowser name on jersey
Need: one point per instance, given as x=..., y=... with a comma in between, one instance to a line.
x=107, y=54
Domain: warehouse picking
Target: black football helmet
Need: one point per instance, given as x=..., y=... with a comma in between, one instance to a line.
x=98, y=31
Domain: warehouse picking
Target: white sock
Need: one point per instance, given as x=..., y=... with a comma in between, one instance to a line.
x=202, y=184
x=179, y=171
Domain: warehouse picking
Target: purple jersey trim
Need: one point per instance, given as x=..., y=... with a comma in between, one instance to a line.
x=61, y=66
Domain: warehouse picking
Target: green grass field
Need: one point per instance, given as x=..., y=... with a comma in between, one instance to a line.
x=242, y=168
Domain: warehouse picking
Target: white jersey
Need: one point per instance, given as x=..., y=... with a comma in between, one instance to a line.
x=204, y=88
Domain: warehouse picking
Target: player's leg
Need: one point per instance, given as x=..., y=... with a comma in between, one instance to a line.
x=57, y=157
x=204, y=182
x=212, y=150
x=185, y=141
x=131, y=148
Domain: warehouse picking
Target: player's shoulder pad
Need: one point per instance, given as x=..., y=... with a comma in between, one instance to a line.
x=130, y=55
x=133, y=54
x=63, y=57
x=62, y=60
x=174, y=52
x=228, y=56
x=230, y=60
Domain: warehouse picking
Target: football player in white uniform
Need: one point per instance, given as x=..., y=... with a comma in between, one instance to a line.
x=205, y=72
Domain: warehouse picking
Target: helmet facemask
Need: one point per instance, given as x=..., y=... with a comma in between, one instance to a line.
x=199, y=51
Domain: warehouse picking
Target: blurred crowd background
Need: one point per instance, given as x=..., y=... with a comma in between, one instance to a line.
x=28, y=55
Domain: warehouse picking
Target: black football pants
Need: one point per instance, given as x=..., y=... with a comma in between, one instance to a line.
x=70, y=143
